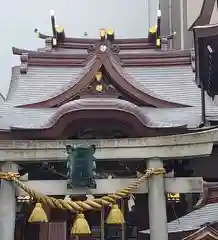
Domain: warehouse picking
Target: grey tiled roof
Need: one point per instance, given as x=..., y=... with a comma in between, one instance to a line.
x=194, y=220
x=39, y=83
x=191, y=116
x=137, y=51
x=34, y=118
x=173, y=83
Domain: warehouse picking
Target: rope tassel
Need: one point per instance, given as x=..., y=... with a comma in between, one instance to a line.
x=80, y=226
x=80, y=206
x=38, y=214
x=115, y=216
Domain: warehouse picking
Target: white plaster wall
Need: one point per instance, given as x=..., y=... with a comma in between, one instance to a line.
x=193, y=10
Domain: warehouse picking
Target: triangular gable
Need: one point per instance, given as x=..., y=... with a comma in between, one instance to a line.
x=206, y=232
x=120, y=80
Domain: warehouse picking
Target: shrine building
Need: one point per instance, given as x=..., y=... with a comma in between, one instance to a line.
x=142, y=103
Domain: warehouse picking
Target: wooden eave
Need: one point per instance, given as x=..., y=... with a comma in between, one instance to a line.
x=116, y=73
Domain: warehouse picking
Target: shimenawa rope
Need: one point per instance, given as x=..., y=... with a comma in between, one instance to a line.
x=80, y=206
x=80, y=226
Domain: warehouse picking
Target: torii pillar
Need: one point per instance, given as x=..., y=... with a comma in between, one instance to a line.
x=157, y=203
x=7, y=204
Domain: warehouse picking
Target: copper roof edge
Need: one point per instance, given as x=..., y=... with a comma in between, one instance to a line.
x=53, y=55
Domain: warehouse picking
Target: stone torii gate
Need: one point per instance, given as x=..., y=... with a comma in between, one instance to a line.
x=154, y=150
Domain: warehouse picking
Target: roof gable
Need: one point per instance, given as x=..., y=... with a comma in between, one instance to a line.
x=111, y=63
x=206, y=232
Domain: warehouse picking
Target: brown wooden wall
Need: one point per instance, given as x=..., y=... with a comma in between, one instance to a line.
x=42, y=231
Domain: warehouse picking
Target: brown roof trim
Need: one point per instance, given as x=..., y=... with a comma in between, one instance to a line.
x=156, y=54
x=104, y=59
x=205, y=14
x=158, y=58
x=122, y=46
x=206, y=232
x=116, y=41
x=157, y=62
x=47, y=55
x=55, y=63
x=93, y=40
x=57, y=55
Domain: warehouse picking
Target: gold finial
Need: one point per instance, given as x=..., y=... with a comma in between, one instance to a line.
x=102, y=34
x=110, y=34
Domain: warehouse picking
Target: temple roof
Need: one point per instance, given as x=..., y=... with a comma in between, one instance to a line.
x=160, y=84
x=138, y=80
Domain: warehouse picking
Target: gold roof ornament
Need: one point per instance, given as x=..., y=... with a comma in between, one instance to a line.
x=153, y=29
x=103, y=48
x=99, y=88
x=174, y=197
x=110, y=34
x=59, y=29
x=102, y=34
x=98, y=76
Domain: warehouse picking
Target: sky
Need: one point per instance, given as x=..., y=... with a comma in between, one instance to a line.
x=20, y=18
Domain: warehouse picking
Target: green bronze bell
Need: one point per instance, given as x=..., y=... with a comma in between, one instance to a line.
x=81, y=167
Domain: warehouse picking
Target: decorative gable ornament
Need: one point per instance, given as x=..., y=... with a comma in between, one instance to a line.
x=103, y=48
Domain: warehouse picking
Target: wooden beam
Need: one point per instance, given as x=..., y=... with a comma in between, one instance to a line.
x=106, y=186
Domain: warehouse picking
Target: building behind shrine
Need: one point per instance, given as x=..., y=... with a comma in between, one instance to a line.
x=110, y=88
